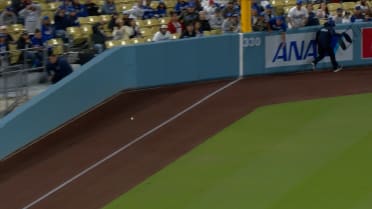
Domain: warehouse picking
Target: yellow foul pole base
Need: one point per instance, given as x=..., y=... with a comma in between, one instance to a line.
x=245, y=21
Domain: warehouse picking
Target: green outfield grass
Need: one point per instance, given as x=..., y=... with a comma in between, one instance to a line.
x=305, y=155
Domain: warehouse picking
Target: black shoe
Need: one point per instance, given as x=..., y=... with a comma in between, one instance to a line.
x=338, y=69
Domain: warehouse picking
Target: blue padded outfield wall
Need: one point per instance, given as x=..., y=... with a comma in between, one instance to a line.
x=166, y=63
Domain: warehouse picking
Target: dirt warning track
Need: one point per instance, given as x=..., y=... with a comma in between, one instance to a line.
x=41, y=176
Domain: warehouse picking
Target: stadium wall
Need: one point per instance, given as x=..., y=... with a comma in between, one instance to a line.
x=173, y=62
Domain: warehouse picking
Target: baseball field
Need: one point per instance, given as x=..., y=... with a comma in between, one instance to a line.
x=311, y=154
x=290, y=141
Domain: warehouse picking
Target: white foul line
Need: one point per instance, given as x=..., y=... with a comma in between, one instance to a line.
x=108, y=157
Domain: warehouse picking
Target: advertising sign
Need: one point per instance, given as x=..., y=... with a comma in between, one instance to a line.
x=366, y=43
x=300, y=49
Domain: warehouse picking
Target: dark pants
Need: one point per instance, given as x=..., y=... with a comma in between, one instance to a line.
x=322, y=53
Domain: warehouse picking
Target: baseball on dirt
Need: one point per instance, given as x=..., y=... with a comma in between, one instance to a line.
x=132, y=118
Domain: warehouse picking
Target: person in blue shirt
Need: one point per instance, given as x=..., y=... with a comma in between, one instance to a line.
x=358, y=15
x=47, y=29
x=180, y=6
x=161, y=10
x=79, y=8
x=61, y=22
x=108, y=7
x=57, y=68
x=38, y=47
x=278, y=24
x=323, y=39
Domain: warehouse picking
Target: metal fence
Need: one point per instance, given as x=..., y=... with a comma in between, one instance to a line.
x=15, y=66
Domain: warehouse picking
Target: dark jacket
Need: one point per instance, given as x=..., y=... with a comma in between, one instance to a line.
x=92, y=9
x=61, y=22
x=60, y=69
x=205, y=26
x=98, y=37
x=324, y=36
x=185, y=34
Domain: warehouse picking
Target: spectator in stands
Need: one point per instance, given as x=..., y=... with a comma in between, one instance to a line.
x=339, y=17
x=298, y=15
x=72, y=17
x=197, y=28
x=91, y=8
x=38, y=45
x=189, y=31
x=358, y=15
x=190, y=15
x=346, y=17
x=4, y=31
x=66, y=5
x=147, y=10
x=112, y=23
x=322, y=12
x=24, y=42
x=119, y=31
x=8, y=17
x=47, y=29
x=204, y=23
x=109, y=7
x=231, y=24
x=4, y=55
x=18, y=5
x=131, y=29
x=197, y=3
x=268, y=13
x=210, y=7
x=229, y=9
x=57, y=68
x=99, y=37
x=162, y=35
x=181, y=6
x=216, y=20
x=79, y=8
x=174, y=25
x=260, y=24
x=61, y=22
x=312, y=19
x=257, y=6
x=365, y=6
x=31, y=15
x=278, y=24
x=161, y=10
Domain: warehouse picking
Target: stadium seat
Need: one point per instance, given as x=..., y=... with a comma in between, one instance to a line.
x=170, y=4
x=176, y=36
x=53, y=6
x=14, y=54
x=105, y=18
x=164, y=20
x=151, y=23
x=124, y=7
x=109, y=44
x=93, y=19
x=154, y=4
x=137, y=40
x=57, y=45
x=146, y=32
x=216, y=32
x=87, y=30
x=332, y=7
x=207, y=33
x=348, y=6
x=76, y=35
x=83, y=20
